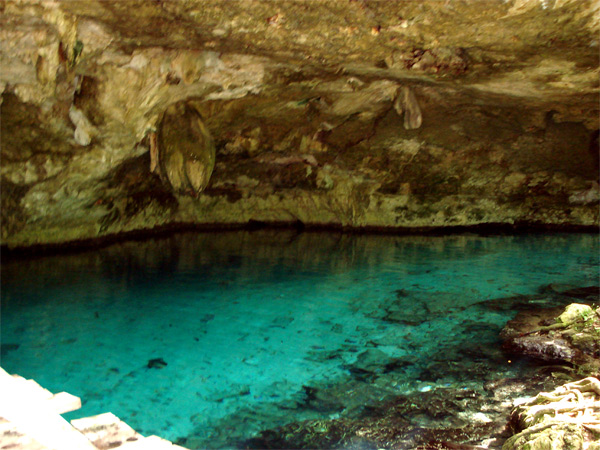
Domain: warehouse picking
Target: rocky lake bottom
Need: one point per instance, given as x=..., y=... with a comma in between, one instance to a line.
x=279, y=339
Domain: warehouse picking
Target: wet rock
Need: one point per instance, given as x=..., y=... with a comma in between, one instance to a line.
x=316, y=401
x=220, y=396
x=550, y=295
x=569, y=335
x=591, y=293
x=5, y=348
x=281, y=322
x=372, y=360
x=555, y=288
x=443, y=418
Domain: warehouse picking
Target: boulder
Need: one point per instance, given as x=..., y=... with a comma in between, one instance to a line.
x=571, y=335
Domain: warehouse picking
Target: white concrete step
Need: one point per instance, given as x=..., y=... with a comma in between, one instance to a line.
x=106, y=431
x=63, y=402
x=151, y=443
x=31, y=412
x=30, y=420
x=12, y=438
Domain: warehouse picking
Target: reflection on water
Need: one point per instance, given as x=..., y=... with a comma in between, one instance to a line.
x=250, y=330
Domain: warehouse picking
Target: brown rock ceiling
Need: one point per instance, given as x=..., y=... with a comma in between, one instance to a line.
x=386, y=114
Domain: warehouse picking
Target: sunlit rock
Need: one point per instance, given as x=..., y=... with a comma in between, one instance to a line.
x=565, y=418
x=569, y=335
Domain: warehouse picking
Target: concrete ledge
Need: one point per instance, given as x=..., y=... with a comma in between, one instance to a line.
x=106, y=431
x=30, y=420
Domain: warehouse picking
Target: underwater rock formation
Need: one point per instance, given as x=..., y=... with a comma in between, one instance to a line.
x=340, y=113
x=156, y=363
x=445, y=418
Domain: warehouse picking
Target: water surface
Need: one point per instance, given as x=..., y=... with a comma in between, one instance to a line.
x=244, y=327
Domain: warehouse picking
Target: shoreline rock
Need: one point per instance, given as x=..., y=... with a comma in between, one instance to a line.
x=554, y=335
x=569, y=416
x=566, y=418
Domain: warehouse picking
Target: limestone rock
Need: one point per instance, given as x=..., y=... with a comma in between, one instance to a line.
x=186, y=154
x=555, y=335
x=381, y=114
x=591, y=195
x=406, y=103
x=83, y=128
x=369, y=100
x=575, y=312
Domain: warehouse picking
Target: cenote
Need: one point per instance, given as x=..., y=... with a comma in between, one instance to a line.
x=207, y=339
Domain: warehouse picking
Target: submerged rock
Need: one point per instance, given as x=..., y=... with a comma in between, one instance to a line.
x=156, y=363
x=5, y=348
x=449, y=418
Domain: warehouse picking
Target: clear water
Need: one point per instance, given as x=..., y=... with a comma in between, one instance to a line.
x=248, y=322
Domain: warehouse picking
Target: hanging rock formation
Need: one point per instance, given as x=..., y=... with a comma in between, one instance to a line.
x=406, y=103
x=186, y=153
x=344, y=113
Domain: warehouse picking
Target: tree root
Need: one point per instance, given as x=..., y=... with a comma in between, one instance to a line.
x=554, y=326
x=528, y=431
x=562, y=408
x=589, y=384
x=576, y=403
x=562, y=325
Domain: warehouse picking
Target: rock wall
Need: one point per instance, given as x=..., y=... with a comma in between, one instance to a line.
x=127, y=115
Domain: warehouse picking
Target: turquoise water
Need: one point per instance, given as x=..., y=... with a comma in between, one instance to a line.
x=243, y=326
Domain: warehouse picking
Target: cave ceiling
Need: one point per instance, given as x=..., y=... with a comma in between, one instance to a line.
x=134, y=114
